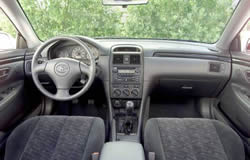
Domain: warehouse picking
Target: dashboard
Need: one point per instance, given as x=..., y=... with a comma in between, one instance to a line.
x=180, y=68
x=73, y=51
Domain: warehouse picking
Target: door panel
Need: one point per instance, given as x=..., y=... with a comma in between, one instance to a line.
x=235, y=100
x=11, y=87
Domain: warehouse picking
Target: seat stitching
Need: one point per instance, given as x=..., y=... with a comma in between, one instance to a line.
x=31, y=135
x=58, y=137
x=94, y=119
x=164, y=156
x=219, y=139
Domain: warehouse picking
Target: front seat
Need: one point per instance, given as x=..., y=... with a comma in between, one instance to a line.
x=56, y=138
x=192, y=139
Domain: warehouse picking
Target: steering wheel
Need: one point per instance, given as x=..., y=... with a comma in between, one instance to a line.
x=63, y=71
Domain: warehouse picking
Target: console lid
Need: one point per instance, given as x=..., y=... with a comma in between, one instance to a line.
x=122, y=151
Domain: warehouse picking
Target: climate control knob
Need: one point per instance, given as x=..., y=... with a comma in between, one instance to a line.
x=135, y=92
x=126, y=92
x=117, y=92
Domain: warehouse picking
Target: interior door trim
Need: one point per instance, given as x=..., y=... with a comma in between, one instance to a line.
x=11, y=60
x=241, y=62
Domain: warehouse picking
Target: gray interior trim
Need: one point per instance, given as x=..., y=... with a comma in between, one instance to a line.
x=193, y=56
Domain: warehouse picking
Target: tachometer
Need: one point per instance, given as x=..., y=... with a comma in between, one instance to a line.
x=79, y=53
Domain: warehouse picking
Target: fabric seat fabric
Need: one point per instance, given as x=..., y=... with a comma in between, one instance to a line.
x=56, y=138
x=192, y=139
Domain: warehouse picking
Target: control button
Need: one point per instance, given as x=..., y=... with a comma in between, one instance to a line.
x=116, y=92
x=126, y=92
x=126, y=86
x=126, y=59
x=117, y=104
x=136, y=86
x=115, y=69
x=135, y=92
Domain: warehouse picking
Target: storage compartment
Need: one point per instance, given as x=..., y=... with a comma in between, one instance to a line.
x=188, y=87
x=122, y=151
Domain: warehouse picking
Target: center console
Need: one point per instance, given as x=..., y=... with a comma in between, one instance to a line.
x=126, y=87
x=122, y=151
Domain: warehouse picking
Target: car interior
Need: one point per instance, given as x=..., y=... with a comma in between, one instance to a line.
x=124, y=80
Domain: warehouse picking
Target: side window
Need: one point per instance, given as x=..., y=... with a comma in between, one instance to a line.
x=7, y=33
x=245, y=38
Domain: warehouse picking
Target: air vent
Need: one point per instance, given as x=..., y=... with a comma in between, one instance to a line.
x=135, y=59
x=118, y=59
x=127, y=49
x=215, y=67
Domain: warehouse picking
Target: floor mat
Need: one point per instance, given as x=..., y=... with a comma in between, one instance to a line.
x=92, y=110
x=174, y=107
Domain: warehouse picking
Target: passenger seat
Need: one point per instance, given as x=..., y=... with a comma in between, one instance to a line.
x=192, y=139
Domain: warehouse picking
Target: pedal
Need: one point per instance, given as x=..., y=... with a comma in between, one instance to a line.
x=75, y=101
x=91, y=102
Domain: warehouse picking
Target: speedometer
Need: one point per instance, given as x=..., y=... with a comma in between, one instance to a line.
x=79, y=53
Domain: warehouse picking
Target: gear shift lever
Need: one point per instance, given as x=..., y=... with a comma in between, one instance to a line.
x=128, y=124
x=129, y=107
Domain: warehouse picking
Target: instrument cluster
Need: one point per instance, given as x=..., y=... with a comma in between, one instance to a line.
x=75, y=52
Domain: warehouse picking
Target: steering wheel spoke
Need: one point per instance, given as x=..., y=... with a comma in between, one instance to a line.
x=61, y=93
x=39, y=68
x=85, y=69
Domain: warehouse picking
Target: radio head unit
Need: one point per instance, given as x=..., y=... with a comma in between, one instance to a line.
x=126, y=72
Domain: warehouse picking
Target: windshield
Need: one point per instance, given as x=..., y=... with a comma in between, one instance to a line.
x=194, y=20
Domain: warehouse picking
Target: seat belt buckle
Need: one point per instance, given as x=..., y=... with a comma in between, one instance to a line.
x=95, y=156
x=151, y=155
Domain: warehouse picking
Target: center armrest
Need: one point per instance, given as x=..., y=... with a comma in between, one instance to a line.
x=122, y=151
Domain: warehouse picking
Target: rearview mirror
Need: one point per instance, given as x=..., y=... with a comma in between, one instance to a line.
x=248, y=45
x=124, y=2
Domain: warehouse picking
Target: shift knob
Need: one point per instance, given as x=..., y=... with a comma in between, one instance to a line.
x=130, y=106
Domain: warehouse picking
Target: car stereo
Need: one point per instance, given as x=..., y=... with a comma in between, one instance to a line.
x=126, y=74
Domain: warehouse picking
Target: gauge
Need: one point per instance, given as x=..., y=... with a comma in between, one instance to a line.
x=62, y=54
x=94, y=51
x=78, y=53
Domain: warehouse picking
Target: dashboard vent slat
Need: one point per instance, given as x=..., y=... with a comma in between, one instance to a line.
x=127, y=49
x=135, y=59
x=118, y=59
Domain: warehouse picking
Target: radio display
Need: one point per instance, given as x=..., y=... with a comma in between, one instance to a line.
x=123, y=71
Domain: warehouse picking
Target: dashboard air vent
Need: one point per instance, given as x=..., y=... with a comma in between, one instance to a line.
x=127, y=49
x=135, y=59
x=215, y=67
x=118, y=59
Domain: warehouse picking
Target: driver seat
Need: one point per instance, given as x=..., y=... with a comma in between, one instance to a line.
x=56, y=138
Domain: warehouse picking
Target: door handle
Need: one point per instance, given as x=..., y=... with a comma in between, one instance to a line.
x=4, y=72
x=247, y=75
